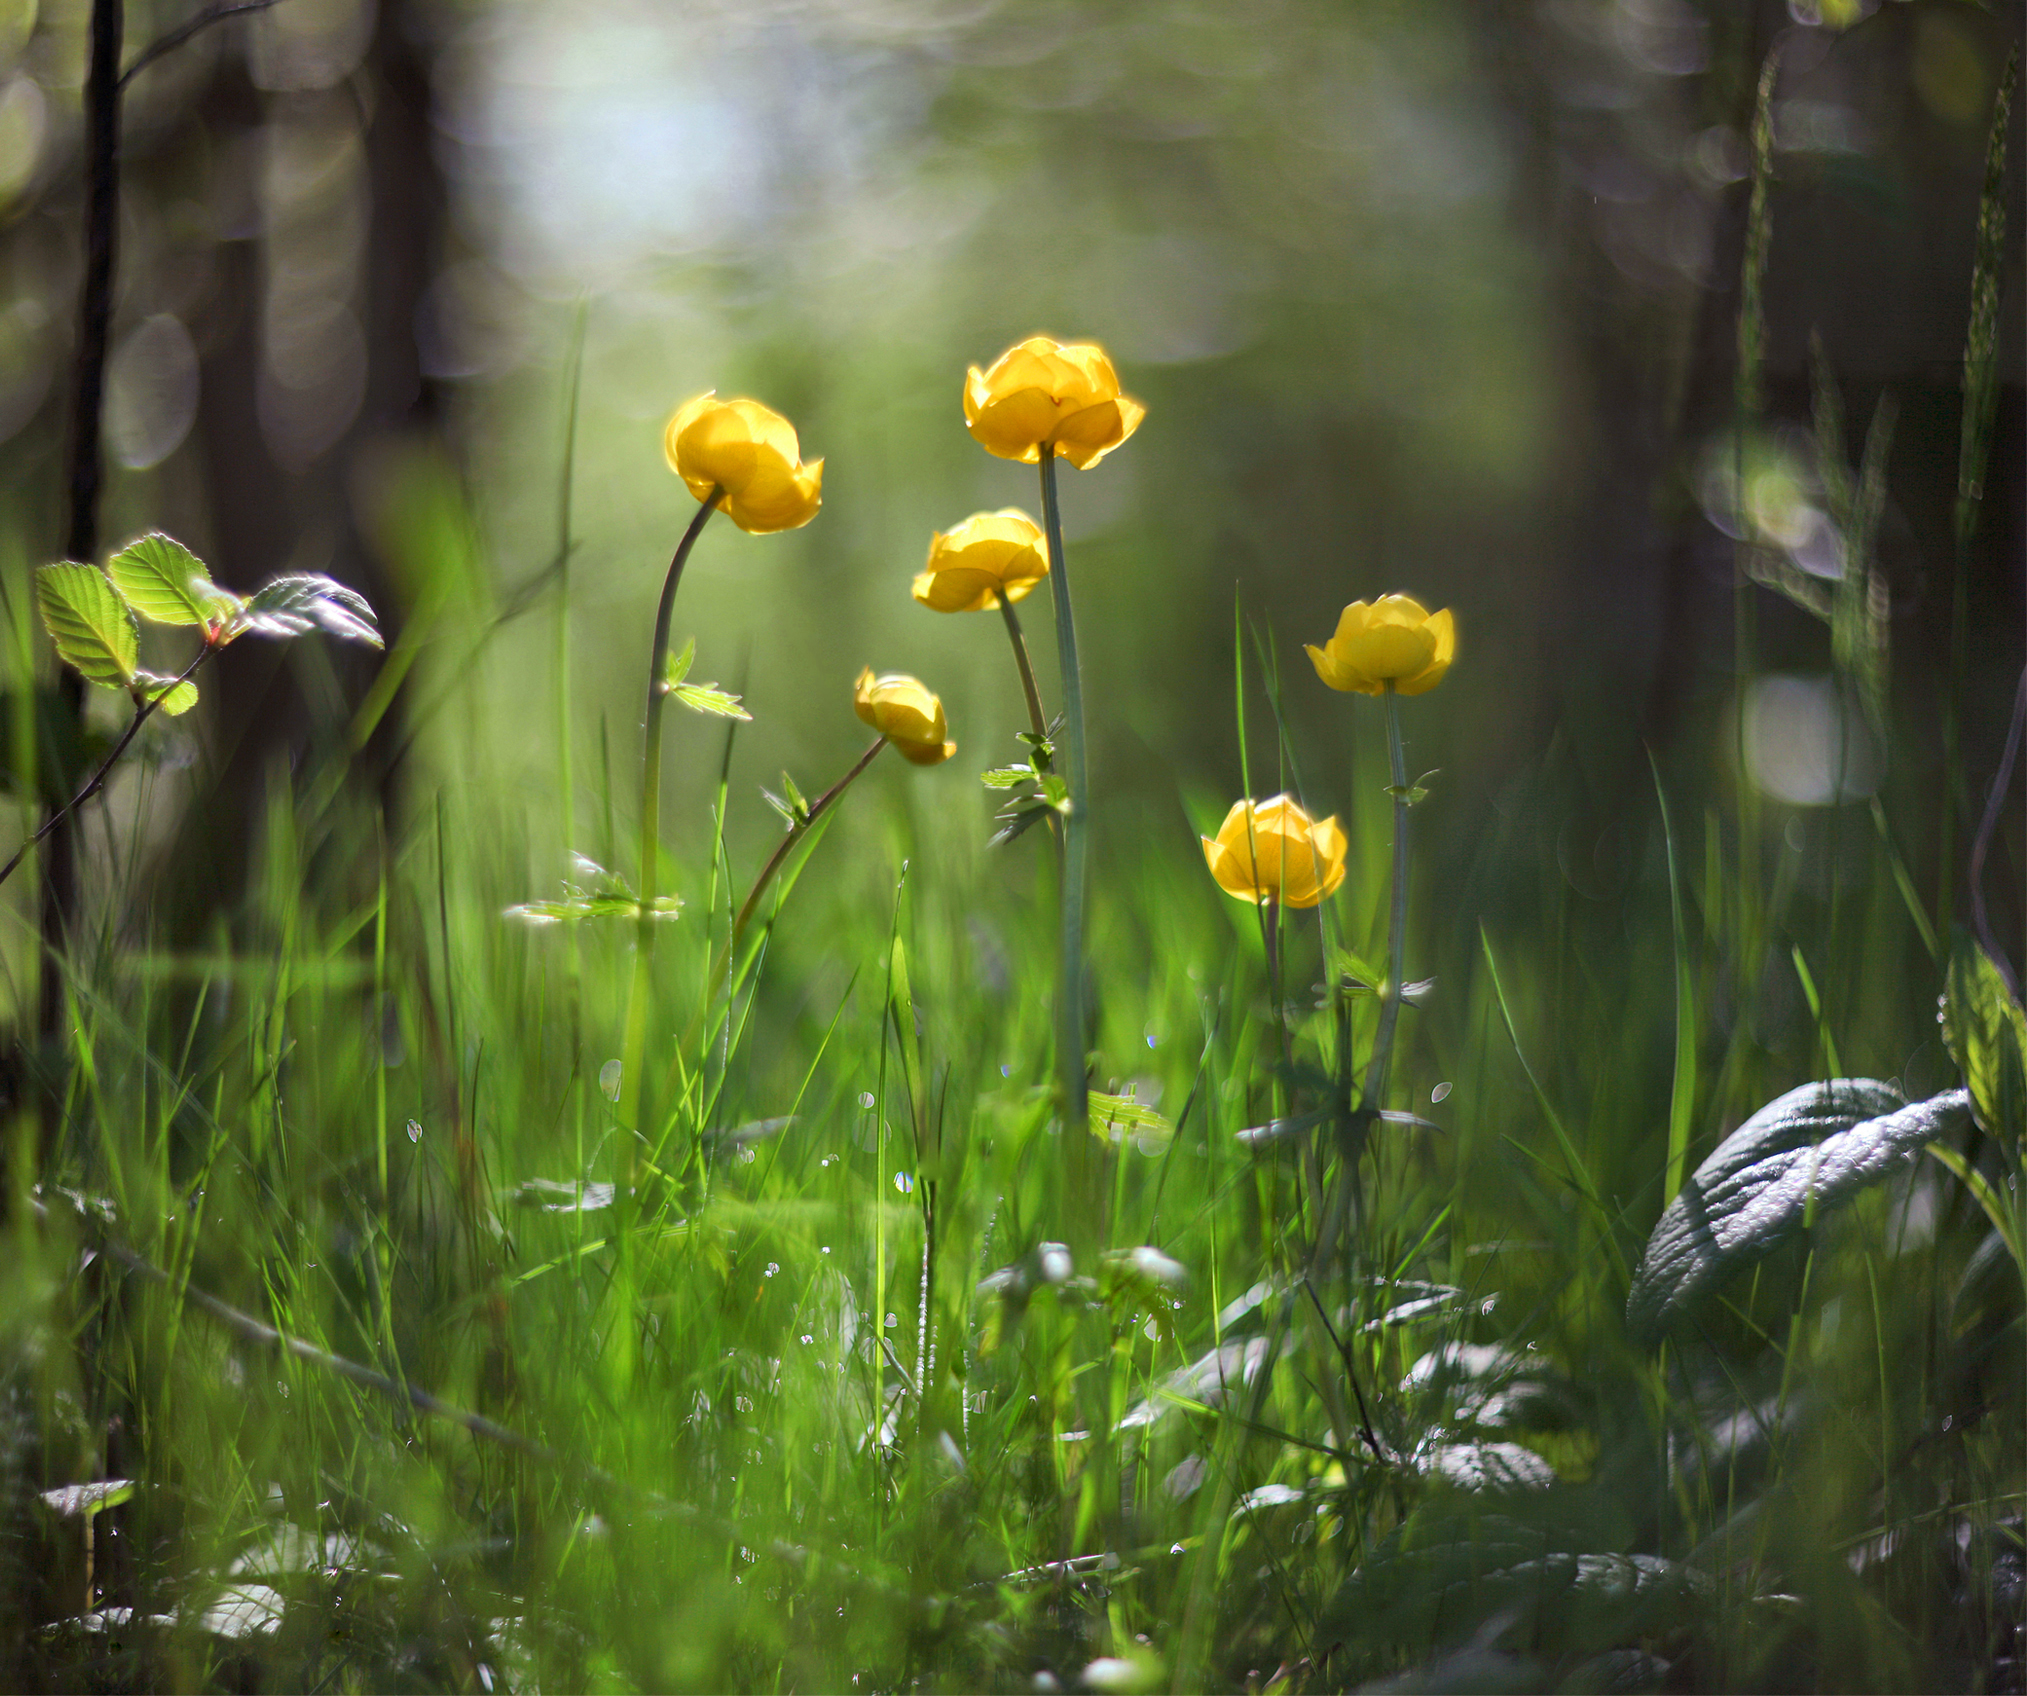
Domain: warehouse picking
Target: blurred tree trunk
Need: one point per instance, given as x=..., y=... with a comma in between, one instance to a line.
x=268, y=515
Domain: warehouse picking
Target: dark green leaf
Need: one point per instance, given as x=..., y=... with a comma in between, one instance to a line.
x=166, y=583
x=1453, y=1566
x=92, y=627
x=1811, y=1148
x=1987, y=1036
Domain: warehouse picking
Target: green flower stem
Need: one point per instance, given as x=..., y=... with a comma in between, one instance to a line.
x=1076, y=850
x=1037, y=720
x=822, y=804
x=1397, y=922
x=633, y=1053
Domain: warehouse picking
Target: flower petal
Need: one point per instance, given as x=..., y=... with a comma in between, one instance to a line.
x=1444, y=628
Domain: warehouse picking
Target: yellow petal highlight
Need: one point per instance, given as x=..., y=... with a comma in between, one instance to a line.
x=1274, y=851
x=905, y=711
x=750, y=454
x=1042, y=393
x=1393, y=640
x=988, y=555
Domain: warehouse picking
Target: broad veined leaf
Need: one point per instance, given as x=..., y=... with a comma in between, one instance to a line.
x=167, y=693
x=1987, y=1036
x=1454, y=1565
x=93, y=629
x=166, y=583
x=288, y=606
x=1811, y=1148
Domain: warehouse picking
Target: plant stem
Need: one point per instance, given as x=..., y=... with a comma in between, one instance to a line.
x=1037, y=720
x=821, y=805
x=1076, y=849
x=633, y=1053
x=1397, y=921
x=96, y=782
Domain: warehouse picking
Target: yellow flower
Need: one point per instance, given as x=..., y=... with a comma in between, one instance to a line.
x=1274, y=851
x=972, y=564
x=902, y=709
x=1395, y=640
x=1043, y=393
x=750, y=452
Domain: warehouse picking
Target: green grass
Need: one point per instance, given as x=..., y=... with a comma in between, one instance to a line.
x=375, y=1119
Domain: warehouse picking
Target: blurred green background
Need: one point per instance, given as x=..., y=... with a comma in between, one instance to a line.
x=1436, y=297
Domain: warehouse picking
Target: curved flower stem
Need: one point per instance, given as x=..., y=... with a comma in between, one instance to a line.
x=821, y=805
x=97, y=780
x=1076, y=849
x=633, y=1053
x=1038, y=720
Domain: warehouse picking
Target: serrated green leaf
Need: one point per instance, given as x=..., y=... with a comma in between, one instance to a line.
x=1803, y=1152
x=167, y=693
x=1005, y=777
x=676, y=666
x=709, y=698
x=166, y=583
x=1987, y=1036
x=92, y=627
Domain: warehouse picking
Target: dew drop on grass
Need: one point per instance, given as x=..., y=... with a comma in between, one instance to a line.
x=903, y=1182
x=608, y=1080
x=414, y=1131
x=1440, y=1093
x=891, y=1323
x=773, y=1266
x=1006, y=1071
x=807, y=1338
x=827, y=1160
x=865, y=1098
x=825, y=1249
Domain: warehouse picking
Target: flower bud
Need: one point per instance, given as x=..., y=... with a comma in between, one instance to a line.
x=1274, y=851
x=1395, y=640
x=1042, y=393
x=749, y=452
x=902, y=709
x=972, y=564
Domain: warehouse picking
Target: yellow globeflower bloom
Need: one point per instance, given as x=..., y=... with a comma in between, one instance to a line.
x=990, y=554
x=1044, y=393
x=750, y=452
x=1274, y=851
x=1395, y=640
x=902, y=709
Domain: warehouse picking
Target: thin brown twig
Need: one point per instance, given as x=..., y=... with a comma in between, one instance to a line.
x=96, y=782
x=173, y=39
